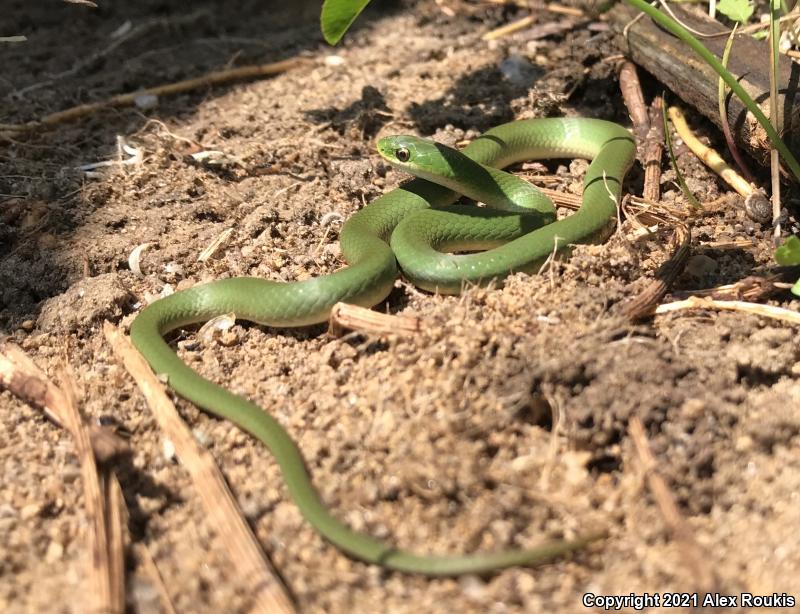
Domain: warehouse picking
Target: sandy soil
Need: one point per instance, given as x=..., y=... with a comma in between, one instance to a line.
x=502, y=423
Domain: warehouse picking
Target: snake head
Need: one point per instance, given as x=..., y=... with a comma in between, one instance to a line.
x=429, y=160
x=404, y=151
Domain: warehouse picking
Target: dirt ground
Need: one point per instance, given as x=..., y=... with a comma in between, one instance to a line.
x=504, y=422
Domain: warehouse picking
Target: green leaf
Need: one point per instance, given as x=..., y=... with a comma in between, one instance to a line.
x=738, y=10
x=788, y=254
x=796, y=288
x=337, y=16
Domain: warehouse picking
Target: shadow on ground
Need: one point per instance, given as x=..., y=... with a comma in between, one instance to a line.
x=75, y=54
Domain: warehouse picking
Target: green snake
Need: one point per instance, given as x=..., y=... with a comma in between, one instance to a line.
x=410, y=225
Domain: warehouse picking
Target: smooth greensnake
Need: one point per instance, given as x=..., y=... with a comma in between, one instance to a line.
x=410, y=225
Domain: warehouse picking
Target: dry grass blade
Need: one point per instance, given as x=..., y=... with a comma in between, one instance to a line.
x=243, y=549
x=216, y=245
x=687, y=193
x=102, y=495
x=694, y=555
x=553, y=7
x=148, y=566
x=766, y=311
x=509, y=28
x=20, y=375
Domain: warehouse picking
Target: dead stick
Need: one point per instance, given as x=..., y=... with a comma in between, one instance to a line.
x=352, y=317
x=645, y=303
x=243, y=548
x=634, y=99
x=22, y=377
x=752, y=289
x=648, y=128
x=125, y=100
x=694, y=555
x=108, y=582
x=653, y=152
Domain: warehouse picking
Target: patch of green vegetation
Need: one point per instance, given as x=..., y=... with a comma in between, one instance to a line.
x=737, y=10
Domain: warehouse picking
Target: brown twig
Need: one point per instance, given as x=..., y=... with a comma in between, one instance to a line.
x=125, y=100
x=654, y=152
x=20, y=375
x=352, y=317
x=649, y=131
x=102, y=495
x=224, y=514
x=694, y=555
x=562, y=199
x=732, y=244
x=647, y=126
x=752, y=289
x=631, y=90
x=645, y=303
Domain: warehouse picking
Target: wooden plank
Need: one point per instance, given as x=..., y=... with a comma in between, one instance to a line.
x=675, y=65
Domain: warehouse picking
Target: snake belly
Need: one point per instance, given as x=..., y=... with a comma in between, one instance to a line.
x=368, y=280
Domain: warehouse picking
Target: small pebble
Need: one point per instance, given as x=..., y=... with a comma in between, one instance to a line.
x=744, y=443
x=518, y=70
x=29, y=511
x=54, y=552
x=473, y=588
x=228, y=338
x=168, y=449
x=692, y=409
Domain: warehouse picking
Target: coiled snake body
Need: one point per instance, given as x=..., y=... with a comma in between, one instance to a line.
x=409, y=225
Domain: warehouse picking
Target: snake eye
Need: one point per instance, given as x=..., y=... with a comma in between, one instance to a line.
x=402, y=154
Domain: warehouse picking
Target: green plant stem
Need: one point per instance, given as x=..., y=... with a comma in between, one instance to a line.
x=774, y=37
x=687, y=193
x=674, y=28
